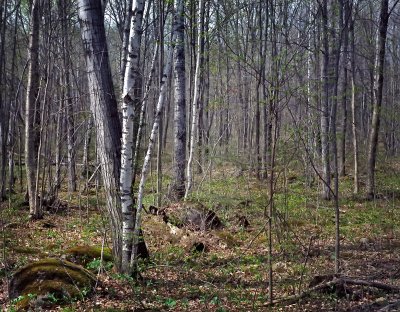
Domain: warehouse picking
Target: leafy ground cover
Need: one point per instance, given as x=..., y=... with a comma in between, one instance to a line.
x=231, y=274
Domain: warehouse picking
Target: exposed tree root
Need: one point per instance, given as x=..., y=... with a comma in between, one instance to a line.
x=394, y=306
x=336, y=282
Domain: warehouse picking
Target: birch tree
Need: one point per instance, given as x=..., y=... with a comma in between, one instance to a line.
x=130, y=108
x=150, y=148
x=193, y=131
x=103, y=105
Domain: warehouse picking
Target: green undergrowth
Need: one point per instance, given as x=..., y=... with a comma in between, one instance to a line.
x=232, y=274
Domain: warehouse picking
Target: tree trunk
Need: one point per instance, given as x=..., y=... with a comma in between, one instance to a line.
x=147, y=159
x=130, y=110
x=377, y=98
x=63, y=9
x=142, y=113
x=31, y=99
x=194, y=104
x=342, y=138
x=103, y=105
x=4, y=103
x=178, y=184
x=326, y=172
x=354, y=123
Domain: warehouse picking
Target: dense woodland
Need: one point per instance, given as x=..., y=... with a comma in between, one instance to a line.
x=200, y=155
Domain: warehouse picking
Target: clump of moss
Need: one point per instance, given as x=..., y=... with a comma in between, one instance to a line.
x=27, y=250
x=86, y=254
x=227, y=238
x=49, y=281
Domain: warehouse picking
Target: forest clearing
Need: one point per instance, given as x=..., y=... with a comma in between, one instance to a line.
x=199, y=155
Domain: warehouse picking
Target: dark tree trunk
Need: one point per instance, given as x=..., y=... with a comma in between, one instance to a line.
x=103, y=105
x=377, y=98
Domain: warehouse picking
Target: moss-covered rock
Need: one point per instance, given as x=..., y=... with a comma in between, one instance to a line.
x=85, y=254
x=49, y=281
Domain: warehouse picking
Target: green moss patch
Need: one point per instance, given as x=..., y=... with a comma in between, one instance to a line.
x=86, y=254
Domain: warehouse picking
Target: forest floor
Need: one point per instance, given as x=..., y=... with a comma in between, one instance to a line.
x=232, y=273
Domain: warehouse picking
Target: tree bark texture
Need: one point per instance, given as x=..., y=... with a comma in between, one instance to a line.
x=30, y=111
x=147, y=159
x=193, y=131
x=377, y=97
x=178, y=186
x=103, y=105
x=326, y=172
x=130, y=110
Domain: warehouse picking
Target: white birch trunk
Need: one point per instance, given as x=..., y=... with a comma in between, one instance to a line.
x=146, y=163
x=193, y=132
x=129, y=111
x=143, y=111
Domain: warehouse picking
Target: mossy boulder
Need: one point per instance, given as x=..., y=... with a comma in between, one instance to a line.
x=49, y=281
x=86, y=254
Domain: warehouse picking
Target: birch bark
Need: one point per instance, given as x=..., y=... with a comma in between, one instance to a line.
x=130, y=108
x=147, y=159
x=194, y=104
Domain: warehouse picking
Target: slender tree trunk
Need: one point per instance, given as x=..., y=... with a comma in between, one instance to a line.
x=86, y=144
x=377, y=98
x=178, y=184
x=31, y=99
x=13, y=114
x=342, y=137
x=105, y=114
x=130, y=110
x=333, y=136
x=160, y=126
x=147, y=159
x=59, y=131
x=194, y=104
x=4, y=102
x=63, y=9
x=125, y=40
x=326, y=172
x=143, y=112
x=354, y=124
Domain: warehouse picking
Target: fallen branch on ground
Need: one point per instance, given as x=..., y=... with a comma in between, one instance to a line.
x=340, y=281
x=390, y=307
